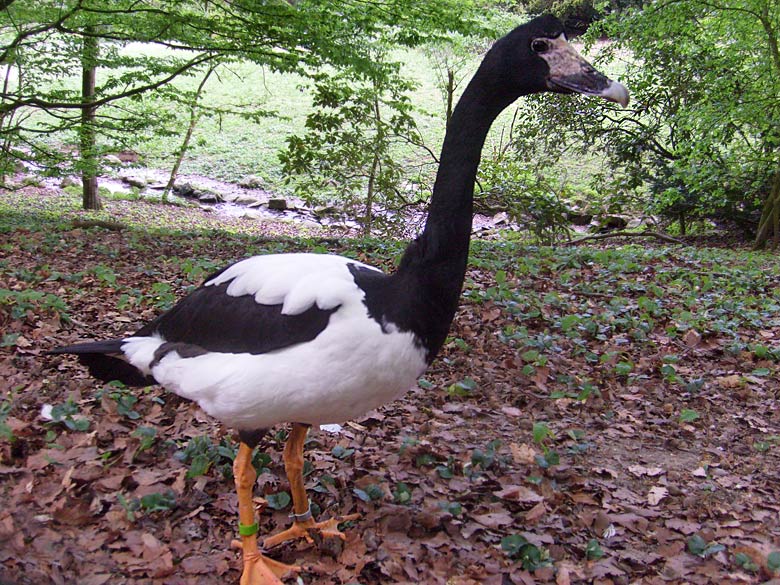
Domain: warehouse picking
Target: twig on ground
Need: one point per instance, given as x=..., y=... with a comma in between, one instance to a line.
x=625, y=234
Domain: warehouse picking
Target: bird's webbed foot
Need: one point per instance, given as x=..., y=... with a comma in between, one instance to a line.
x=260, y=570
x=305, y=527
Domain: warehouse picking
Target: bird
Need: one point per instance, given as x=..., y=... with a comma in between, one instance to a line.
x=311, y=339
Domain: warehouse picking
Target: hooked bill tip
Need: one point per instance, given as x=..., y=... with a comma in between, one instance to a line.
x=615, y=92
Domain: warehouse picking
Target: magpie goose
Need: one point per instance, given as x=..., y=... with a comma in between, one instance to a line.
x=310, y=339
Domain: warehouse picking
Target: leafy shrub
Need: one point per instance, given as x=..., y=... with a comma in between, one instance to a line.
x=529, y=198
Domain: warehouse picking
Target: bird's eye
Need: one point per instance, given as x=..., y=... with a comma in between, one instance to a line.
x=539, y=46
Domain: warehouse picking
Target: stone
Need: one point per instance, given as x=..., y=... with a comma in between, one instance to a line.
x=135, y=181
x=277, y=204
x=245, y=200
x=322, y=210
x=252, y=182
x=209, y=197
x=202, y=194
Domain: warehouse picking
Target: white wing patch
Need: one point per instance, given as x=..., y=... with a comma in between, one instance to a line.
x=296, y=281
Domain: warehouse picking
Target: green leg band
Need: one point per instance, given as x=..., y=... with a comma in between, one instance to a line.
x=249, y=530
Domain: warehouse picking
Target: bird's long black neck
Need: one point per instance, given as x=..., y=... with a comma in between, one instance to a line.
x=448, y=228
x=434, y=265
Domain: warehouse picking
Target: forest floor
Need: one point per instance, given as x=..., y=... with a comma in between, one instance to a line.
x=604, y=414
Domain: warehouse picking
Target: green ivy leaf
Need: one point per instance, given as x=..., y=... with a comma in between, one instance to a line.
x=198, y=466
x=513, y=544
x=696, y=545
x=402, y=493
x=279, y=500
x=372, y=493
x=541, y=432
x=773, y=561
x=342, y=452
x=747, y=563
x=593, y=550
x=158, y=502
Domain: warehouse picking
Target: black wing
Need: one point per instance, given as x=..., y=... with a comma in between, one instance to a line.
x=215, y=321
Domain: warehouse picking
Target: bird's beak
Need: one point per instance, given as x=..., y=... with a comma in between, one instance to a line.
x=569, y=72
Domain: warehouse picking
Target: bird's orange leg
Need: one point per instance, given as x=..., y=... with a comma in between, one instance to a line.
x=303, y=522
x=258, y=569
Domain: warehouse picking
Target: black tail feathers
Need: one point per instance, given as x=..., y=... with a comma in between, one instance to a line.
x=112, y=346
x=105, y=362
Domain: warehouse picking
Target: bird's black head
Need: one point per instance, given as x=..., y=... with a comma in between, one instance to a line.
x=536, y=57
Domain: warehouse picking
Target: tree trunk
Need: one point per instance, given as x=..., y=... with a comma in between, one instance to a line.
x=7, y=160
x=769, y=224
x=87, y=134
x=372, y=175
x=370, y=197
x=194, y=115
x=450, y=94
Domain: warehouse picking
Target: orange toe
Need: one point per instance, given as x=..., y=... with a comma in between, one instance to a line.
x=302, y=529
x=260, y=570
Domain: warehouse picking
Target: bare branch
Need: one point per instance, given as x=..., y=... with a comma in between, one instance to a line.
x=625, y=234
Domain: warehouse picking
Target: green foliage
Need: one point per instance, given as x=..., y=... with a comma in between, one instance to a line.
x=454, y=508
x=158, y=502
x=701, y=548
x=105, y=273
x=150, y=503
x=623, y=368
x=462, y=388
x=371, y=493
x=446, y=471
x=530, y=556
x=348, y=149
x=746, y=562
x=162, y=295
x=124, y=398
x=46, y=45
x=5, y=431
x=19, y=302
x=700, y=139
x=593, y=550
x=279, y=500
x=542, y=432
x=146, y=437
x=69, y=415
x=342, y=452
x=542, y=435
x=452, y=58
x=201, y=455
x=402, y=494
x=486, y=459
x=510, y=183
x=773, y=561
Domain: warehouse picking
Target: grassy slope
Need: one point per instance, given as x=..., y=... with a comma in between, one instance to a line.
x=229, y=147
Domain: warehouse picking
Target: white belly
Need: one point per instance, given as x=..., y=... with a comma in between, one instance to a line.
x=350, y=368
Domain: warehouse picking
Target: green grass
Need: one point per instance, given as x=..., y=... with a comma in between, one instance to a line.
x=229, y=147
